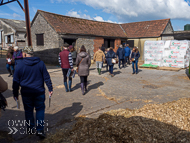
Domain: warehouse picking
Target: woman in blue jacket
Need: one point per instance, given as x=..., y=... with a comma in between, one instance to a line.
x=109, y=56
x=134, y=58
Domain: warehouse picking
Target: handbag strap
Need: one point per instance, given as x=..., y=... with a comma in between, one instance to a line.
x=80, y=62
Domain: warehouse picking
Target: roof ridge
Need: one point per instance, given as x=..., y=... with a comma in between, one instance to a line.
x=78, y=18
x=103, y=21
x=146, y=21
x=12, y=19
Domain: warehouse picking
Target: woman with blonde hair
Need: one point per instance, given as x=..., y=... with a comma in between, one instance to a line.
x=134, y=58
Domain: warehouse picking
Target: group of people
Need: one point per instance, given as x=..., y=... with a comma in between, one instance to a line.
x=124, y=56
x=30, y=74
x=83, y=62
x=13, y=57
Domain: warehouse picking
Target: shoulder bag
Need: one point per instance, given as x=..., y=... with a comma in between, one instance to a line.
x=77, y=70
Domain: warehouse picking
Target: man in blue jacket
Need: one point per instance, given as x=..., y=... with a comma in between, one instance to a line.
x=127, y=54
x=121, y=55
x=30, y=74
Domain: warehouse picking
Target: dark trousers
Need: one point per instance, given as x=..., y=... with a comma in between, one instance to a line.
x=111, y=69
x=119, y=64
x=74, y=61
x=83, y=79
x=65, y=75
x=37, y=101
x=107, y=67
x=127, y=60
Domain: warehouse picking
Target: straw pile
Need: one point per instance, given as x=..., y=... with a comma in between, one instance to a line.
x=156, y=123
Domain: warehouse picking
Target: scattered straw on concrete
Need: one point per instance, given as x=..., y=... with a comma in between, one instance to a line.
x=154, y=123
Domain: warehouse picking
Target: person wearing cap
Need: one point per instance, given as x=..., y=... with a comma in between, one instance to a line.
x=17, y=55
x=66, y=62
x=30, y=74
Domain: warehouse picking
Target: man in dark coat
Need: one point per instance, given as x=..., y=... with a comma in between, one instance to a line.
x=127, y=54
x=121, y=55
x=103, y=49
x=30, y=74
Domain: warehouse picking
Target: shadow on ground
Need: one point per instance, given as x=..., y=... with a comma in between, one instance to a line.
x=187, y=73
x=15, y=119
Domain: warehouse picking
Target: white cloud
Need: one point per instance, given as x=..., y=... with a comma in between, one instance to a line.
x=78, y=14
x=137, y=10
x=53, y=1
x=85, y=10
x=16, y=15
x=12, y=16
x=98, y=18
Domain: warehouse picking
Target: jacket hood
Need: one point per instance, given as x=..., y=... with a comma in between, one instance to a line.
x=30, y=61
x=83, y=54
x=100, y=51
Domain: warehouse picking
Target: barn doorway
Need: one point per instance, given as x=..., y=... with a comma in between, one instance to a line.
x=70, y=41
x=109, y=43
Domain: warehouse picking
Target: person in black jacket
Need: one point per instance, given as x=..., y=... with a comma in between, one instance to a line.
x=104, y=50
x=121, y=55
x=109, y=56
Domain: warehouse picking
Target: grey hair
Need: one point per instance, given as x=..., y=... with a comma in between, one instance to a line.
x=16, y=48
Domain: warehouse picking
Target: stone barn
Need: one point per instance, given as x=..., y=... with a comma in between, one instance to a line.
x=50, y=31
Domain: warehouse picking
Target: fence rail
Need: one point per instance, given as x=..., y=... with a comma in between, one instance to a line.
x=3, y=52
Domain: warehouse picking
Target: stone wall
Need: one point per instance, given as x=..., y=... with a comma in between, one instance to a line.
x=50, y=51
x=88, y=43
x=168, y=29
x=165, y=38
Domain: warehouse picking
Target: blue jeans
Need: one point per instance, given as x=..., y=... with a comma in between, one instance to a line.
x=111, y=69
x=136, y=65
x=29, y=103
x=121, y=60
x=10, y=66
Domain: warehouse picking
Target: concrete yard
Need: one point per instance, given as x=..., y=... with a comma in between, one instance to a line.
x=104, y=94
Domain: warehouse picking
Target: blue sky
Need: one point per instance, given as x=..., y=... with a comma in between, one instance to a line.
x=118, y=11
